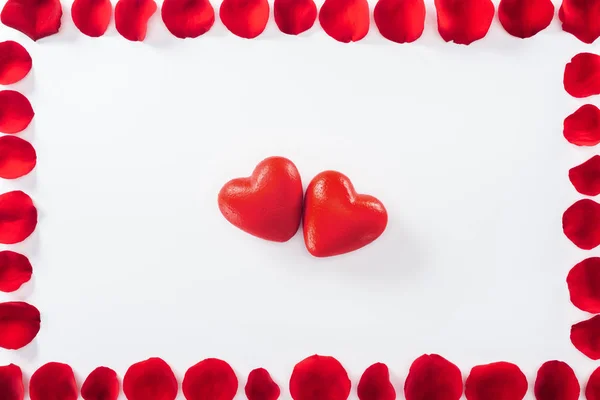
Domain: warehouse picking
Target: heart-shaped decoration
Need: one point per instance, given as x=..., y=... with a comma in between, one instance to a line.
x=337, y=220
x=268, y=204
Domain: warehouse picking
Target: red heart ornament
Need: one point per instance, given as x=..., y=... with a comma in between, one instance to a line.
x=337, y=220
x=268, y=204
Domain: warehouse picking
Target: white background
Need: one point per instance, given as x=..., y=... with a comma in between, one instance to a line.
x=463, y=144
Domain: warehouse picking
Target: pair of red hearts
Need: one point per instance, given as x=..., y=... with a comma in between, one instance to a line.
x=270, y=205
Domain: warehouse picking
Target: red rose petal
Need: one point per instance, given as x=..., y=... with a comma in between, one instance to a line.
x=188, y=18
x=525, y=18
x=586, y=177
x=319, y=378
x=581, y=18
x=581, y=224
x=582, y=75
x=35, y=18
x=11, y=383
x=101, y=384
x=17, y=157
x=91, y=17
x=151, y=379
x=245, y=18
x=592, y=389
x=432, y=377
x=19, y=324
x=15, y=112
x=585, y=336
x=53, y=381
x=18, y=217
x=464, y=21
x=584, y=285
x=401, y=21
x=345, y=20
x=210, y=379
x=15, y=270
x=132, y=16
x=15, y=62
x=556, y=381
x=260, y=386
x=582, y=128
x=375, y=384
x=496, y=381
x=294, y=16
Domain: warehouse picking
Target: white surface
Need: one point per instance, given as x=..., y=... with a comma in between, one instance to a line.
x=464, y=146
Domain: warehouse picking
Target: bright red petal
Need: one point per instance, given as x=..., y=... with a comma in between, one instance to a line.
x=15, y=270
x=586, y=177
x=17, y=157
x=19, y=324
x=401, y=21
x=101, y=384
x=525, y=18
x=15, y=62
x=582, y=128
x=53, y=381
x=592, y=389
x=210, y=379
x=319, y=374
x=35, y=18
x=11, y=383
x=585, y=336
x=15, y=112
x=245, y=18
x=345, y=20
x=18, y=217
x=581, y=224
x=91, y=17
x=432, y=377
x=496, y=381
x=556, y=380
x=581, y=18
x=375, y=384
x=464, y=21
x=151, y=379
x=132, y=16
x=584, y=285
x=260, y=386
x=188, y=18
x=295, y=16
x=582, y=75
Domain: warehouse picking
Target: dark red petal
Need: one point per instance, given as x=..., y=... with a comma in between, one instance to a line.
x=581, y=224
x=17, y=157
x=53, y=381
x=19, y=324
x=210, y=379
x=35, y=18
x=15, y=112
x=582, y=75
x=582, y=128
x=432, y=377
x=321, y=375
x=188, y=18
x=11, y=383
x=401, y=21
x=375, y=384
x=556, y=381
x=245, y=18
x=496, y=381
x=592, y=389
x=131, y=18
x=91, y=17
x=581, y=18
x=15, y=270
x=260, y=386
x=586, y=177
x=345, y=20
x=525, y=18
x=15, y=62
x=584, y=285
x=101, y=384
x=151, y=379
x=464, y=21
x=18, y=217
x=295, y=16
x=585, y=336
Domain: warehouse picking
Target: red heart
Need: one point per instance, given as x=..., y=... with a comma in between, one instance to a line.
x=268, y=204
x=337, y=220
